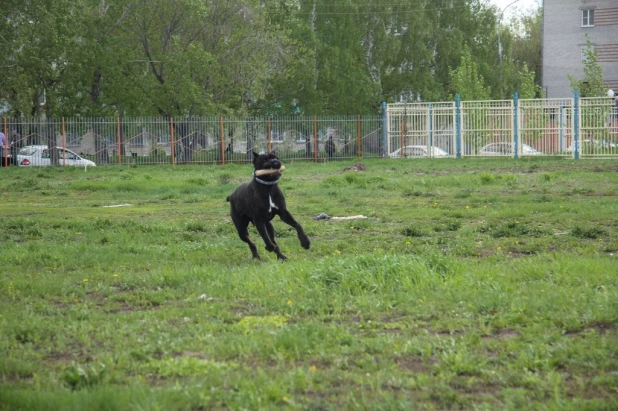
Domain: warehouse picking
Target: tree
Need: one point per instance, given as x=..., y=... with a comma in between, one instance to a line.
x=467, y=81
x=527, y=45
x=527, y=86
x=592, y=83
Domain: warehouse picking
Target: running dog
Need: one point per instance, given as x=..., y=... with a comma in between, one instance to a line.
x=259, y=202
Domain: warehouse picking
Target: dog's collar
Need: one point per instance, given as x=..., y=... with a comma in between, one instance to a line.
x=266, y=183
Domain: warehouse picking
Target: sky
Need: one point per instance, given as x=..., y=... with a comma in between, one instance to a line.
x=519, y=7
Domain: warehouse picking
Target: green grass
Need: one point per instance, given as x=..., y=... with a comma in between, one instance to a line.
x=485, y=284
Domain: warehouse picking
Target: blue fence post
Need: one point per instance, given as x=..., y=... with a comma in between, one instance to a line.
x=458, y=125
x=430, y=124
x=576, y=126
x=384, y=124
x=516, y=124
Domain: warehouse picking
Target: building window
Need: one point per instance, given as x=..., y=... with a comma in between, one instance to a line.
x=587, y=18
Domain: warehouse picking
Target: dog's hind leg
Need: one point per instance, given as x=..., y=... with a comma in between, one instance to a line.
x=241, y=226
x=287, y=218
x=267, y=232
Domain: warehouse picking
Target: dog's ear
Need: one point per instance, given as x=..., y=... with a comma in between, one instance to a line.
x=273, y=152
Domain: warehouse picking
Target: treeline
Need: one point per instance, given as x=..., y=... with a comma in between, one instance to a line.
x=256, y=57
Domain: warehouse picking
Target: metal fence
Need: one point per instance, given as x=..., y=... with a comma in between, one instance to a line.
x=577, y=128
x=156, y=140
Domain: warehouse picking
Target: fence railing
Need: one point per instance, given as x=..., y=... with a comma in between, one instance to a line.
x=578, y=128
x=156, y=140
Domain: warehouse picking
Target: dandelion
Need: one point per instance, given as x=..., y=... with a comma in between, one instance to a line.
x=115, y=275
x=352, y=228
x=337, y=252
x=313, y=368
x=467, y=207
x=408, y=243
x=289, y=302
x=86, y=280
x=499, y=249
x=78, y=233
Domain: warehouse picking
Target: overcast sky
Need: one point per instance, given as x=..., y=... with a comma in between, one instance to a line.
x=518, y=7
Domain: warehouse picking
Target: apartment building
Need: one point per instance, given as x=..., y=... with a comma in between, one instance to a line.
x=565, y=25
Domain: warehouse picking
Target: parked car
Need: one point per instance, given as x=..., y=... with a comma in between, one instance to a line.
x=40, y=155
x=418, y=152
x=506, y=149
x=590, y=146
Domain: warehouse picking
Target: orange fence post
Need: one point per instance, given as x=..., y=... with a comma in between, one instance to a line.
x=64, y=145
x=118, y=135
x=315, y=139
x=270, y=148
x=358, y=137
x=222, y=140
x=172, y=136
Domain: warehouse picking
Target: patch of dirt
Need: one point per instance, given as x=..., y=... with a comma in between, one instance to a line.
x=191, y=354
x=598, y=327
x=60, y=356
x=414, y=364
x=501, y=335
x=606, y=169
x=356, y=167
x=462, y=385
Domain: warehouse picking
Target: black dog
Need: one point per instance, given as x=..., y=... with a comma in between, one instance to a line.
x=258, y=202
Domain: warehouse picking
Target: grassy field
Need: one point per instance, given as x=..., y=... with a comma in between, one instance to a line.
x=484, y=284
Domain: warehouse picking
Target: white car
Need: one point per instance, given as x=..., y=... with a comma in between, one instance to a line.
x=418, y=152
x=506, y=149
x=40, y=155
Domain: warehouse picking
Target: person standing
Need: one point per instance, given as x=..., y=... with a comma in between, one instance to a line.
x=15, y=145
x=330, y=147
x=2, y=144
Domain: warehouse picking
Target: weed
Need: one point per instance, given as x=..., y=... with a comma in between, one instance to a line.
x=224, y=178
x=412, y=232
x=487, y=178
x=588, y=232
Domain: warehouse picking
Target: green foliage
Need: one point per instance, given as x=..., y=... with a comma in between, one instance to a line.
x=466, y=79
x=68, y=58
x=592, y=83
x=528, y=88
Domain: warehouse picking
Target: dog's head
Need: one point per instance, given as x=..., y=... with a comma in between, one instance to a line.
x=267, y=161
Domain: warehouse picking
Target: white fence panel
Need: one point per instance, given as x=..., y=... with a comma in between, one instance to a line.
x=421, y=130
x=598, y=127
x=487, y=128
x=546, y=126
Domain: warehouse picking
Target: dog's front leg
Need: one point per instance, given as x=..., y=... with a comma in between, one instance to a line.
x=261, y=227
x=287, y=218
